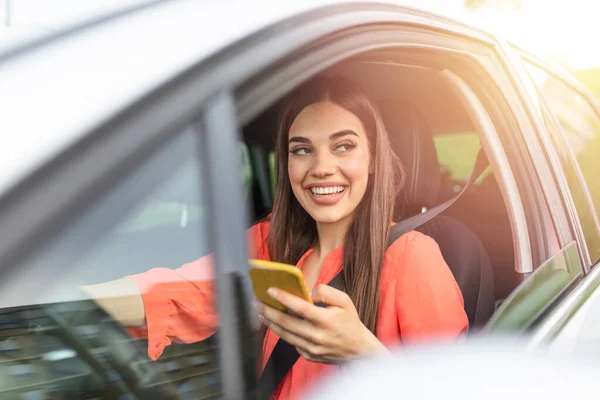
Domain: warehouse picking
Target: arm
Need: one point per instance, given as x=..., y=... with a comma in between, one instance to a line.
x=121, y=299
x=170, y=304
x=428, y=299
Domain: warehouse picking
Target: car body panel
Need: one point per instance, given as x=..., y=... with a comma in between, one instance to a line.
x=94, y=73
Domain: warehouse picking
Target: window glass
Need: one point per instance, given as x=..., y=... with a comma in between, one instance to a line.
x=457, y=153
x=55, y=343
x=538, y=292
x=581, y=129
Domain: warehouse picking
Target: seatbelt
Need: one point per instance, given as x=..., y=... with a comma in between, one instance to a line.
x=284, y=355
x=481, y=163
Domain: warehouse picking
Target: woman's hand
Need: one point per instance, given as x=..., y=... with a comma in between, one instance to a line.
x=321, y=334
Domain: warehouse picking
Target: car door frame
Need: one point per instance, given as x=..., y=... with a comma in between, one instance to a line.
x=546, y=152
x=557, y=73
x=559, y=317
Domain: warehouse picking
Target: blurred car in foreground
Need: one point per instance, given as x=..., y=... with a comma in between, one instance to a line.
x=496, y=368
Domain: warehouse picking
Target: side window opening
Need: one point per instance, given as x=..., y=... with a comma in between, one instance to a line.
x=452, y=150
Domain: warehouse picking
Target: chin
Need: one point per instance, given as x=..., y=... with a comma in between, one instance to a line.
x=328, y=217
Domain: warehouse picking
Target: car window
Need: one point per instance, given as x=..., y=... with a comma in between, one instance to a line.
x=580, y=139
x=538, y=291
x=457, y=152
x=55, y=343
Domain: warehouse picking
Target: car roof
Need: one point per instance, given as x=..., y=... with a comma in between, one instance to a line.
x=56, y=89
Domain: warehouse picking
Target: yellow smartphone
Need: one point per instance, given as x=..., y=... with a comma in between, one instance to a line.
x=269, y=274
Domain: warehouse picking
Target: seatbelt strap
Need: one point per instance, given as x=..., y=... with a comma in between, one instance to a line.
x=284, y=355
x=409, y=224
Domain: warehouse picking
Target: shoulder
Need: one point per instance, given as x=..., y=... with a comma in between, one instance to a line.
x=408, y=244
x=257, y=239
x=261, y=228
x=409, y=252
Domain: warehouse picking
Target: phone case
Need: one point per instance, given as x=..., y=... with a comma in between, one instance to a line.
x=268, y=274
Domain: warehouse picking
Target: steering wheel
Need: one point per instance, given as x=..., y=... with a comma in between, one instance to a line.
x=119, y=360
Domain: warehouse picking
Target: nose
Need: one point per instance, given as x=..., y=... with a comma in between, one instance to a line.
x=324, y=165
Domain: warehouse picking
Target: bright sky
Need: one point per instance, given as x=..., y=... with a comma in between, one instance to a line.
x=566, y=31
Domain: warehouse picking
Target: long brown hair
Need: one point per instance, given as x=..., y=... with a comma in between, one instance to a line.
x=292, y=231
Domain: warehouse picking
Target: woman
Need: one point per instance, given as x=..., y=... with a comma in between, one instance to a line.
x=337, y=181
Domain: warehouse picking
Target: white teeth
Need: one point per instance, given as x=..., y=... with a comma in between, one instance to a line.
x=319, y=191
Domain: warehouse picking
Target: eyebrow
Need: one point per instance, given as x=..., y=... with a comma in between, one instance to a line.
x=336, y=135
x=343, y=133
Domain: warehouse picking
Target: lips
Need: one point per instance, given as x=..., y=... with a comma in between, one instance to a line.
x=326, y=194
x=327, y=190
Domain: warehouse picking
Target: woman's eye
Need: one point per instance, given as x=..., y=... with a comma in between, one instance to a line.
x=345, y=146
x=300, y=151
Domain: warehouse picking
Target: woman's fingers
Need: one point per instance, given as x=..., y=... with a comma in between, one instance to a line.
x=296, y=304
x=306, y=348
x=331, y=296
x=299, y=327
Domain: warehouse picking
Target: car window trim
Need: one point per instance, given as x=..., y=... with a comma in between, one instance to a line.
x=523, y=108
x=572, y=159
x=539, y=144
x=576, y=221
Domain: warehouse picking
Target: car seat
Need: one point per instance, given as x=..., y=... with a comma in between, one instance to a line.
x=412, y=140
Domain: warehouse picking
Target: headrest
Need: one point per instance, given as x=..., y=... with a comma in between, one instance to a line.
x=412, y=140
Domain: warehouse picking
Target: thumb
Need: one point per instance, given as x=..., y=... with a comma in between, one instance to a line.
x=330, y=296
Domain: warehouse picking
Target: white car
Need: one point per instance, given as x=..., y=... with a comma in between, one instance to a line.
x=145, y=138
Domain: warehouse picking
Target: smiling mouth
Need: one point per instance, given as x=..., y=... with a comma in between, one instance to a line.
x=327, y=191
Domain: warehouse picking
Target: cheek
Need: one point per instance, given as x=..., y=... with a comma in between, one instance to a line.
x=296, y=172
x=356, y=169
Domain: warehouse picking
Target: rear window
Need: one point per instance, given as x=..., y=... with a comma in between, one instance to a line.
x=457, y=153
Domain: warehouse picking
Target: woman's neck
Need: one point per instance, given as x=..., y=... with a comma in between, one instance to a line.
x=331, y=236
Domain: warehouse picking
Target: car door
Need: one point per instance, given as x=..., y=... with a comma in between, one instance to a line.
x=147, y=186
x=156, y=211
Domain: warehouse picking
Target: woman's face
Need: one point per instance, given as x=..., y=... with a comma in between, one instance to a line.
x=329, y=159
